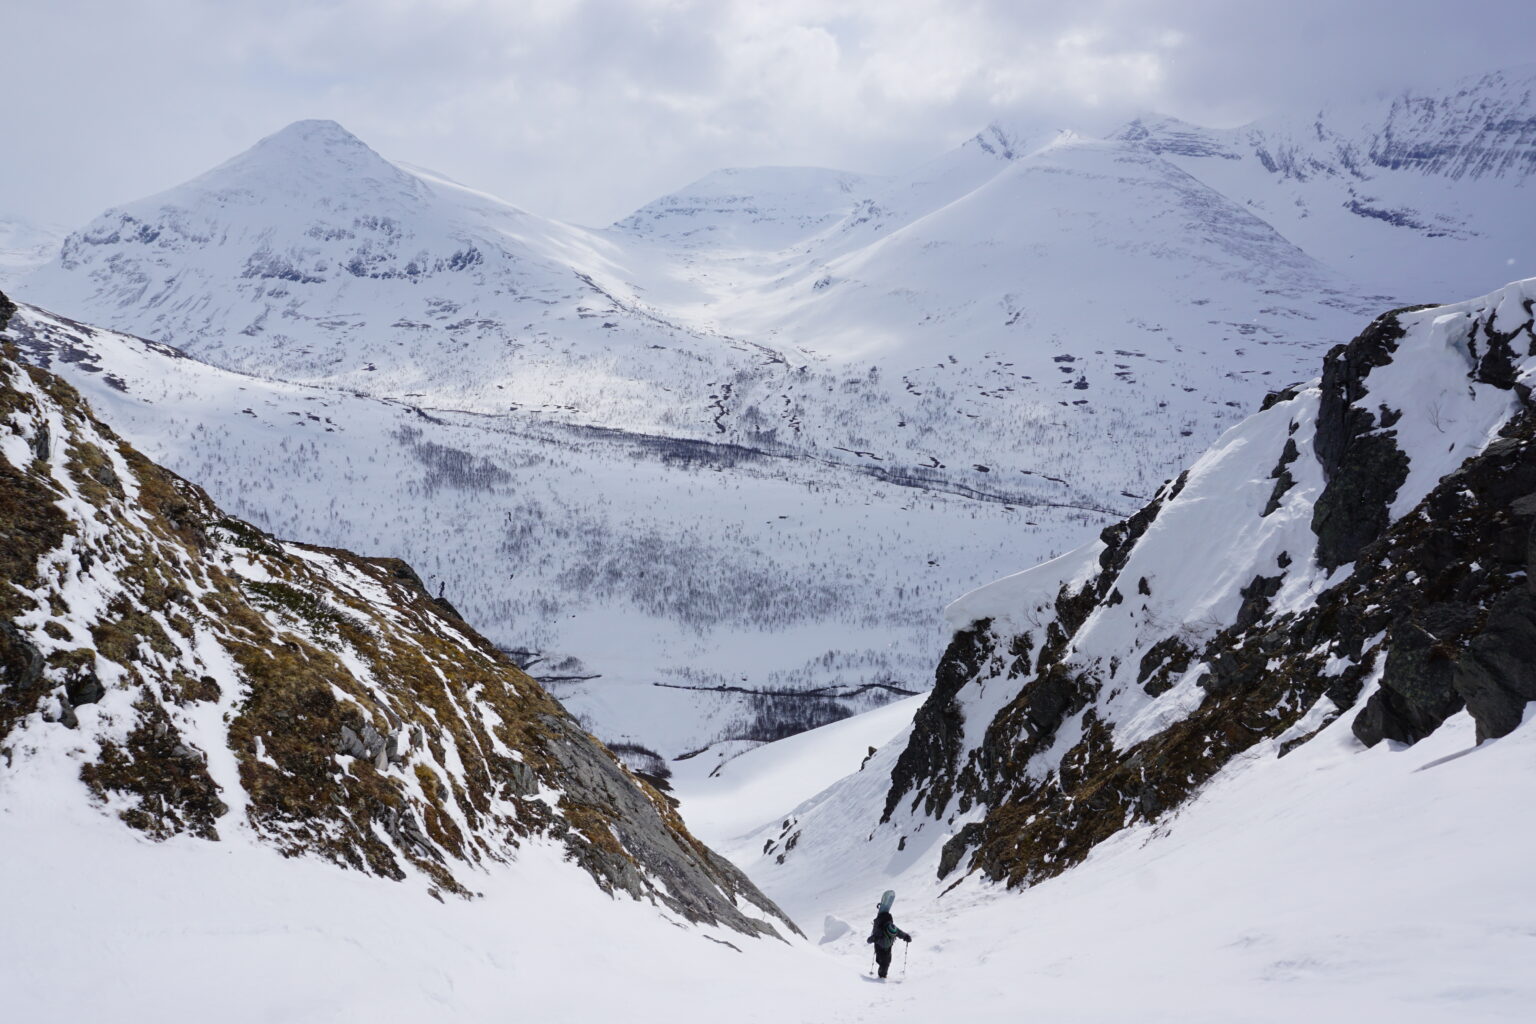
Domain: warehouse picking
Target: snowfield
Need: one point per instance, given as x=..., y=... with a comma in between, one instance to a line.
x=1335, y=884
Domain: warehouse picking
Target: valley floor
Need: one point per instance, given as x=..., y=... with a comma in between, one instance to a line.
x=1335, y=884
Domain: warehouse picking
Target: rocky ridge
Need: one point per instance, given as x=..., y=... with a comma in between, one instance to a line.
x=206, y=679
x=1363, y=546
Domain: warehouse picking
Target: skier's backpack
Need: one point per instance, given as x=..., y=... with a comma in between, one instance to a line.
x=886, y=900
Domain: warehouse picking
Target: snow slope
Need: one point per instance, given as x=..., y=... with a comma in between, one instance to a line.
x=184, y=675
x=1336, y=883
x=1184, y=721
x=1279, y=894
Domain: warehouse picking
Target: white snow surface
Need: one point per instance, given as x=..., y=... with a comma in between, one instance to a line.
x=1336, y=884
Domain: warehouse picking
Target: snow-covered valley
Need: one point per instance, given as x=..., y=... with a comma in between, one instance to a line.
x=1022, y=532
x=753, y=434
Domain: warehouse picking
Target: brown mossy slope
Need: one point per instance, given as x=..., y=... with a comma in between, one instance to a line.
x=220, y=679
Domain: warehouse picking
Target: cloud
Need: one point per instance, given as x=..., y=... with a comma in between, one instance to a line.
x=585, y=109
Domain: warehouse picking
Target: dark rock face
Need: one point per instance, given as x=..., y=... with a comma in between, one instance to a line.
x=1495, y=356
x=1416, y=694
x=1285, y=394
x=939, y=723
x=1282, y=476
x=1169, y=657
x=21, y=675
x=692, y=875
x=957, y=846
x=1459, y=632
x=1256, y=597
x=1362, y=465
x=1497, y=674
x=1120, y=538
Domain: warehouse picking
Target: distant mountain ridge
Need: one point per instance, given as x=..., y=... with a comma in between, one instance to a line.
x=1417, y=192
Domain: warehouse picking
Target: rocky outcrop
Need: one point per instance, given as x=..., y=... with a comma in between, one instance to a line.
x=1361, y=462
x=1311, y=599
x=1450, y=582
x=935, y=746
x=206, y=678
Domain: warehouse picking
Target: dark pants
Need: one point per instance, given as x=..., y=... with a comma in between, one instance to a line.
x=883, y=958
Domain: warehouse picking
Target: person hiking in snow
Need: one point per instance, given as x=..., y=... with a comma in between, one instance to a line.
x=884, y=936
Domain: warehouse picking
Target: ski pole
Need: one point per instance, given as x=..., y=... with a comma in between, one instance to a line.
x=904, y=953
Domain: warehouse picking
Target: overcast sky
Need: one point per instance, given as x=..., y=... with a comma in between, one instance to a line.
x=585, y=109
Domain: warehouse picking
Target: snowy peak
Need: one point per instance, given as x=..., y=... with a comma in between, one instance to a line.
x=288, y=258
x=312, y=133
x=750, y=207
x=1482, y=128
x=315, y=160
x=1168, y=136
x=1007, y=141
x=1477, y=127
x=1422, y=193
x=310, y=139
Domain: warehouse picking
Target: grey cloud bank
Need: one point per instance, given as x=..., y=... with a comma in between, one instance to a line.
x=586, y=110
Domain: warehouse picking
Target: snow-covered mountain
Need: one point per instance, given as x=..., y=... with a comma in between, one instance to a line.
x=1035, y=326
x=1252, y=754
x=196, y=678
x=1350, y=565
x=750, y=209
x=311, y=257
x=1423, y=193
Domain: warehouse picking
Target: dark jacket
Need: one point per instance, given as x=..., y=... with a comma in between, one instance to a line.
x=885, y=933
